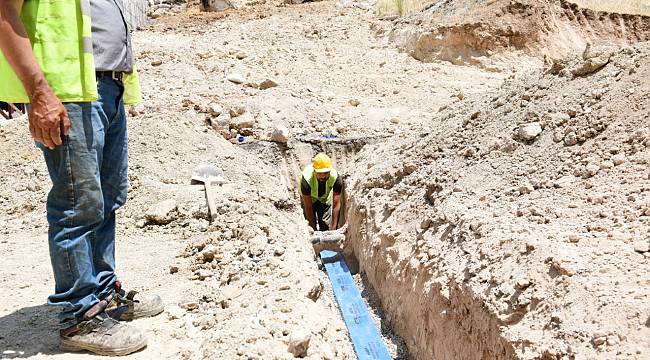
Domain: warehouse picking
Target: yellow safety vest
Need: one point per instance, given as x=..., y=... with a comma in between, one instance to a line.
x=60, y=34
x=309, y=176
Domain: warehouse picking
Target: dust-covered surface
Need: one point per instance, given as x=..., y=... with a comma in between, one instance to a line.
x=242, y=286
x=395, y=344
x=482, y=238
x=504, y=34
x=518, y=224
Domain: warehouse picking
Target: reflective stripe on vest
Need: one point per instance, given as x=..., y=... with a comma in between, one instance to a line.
x=131, y=84
x=309, y=175
x=63, y=48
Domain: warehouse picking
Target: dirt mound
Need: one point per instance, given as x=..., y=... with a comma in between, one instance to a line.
x=464, y=32
x=516, y=224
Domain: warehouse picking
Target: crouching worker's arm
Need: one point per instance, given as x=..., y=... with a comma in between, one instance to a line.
x=309, y=211
x=48, y=118
x=336, y=210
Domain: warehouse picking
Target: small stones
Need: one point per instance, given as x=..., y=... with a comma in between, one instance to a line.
x=570, y=139
x=563, y=266
x=173, y=269
x=156, y=63
x=205, y=322
x=354, y=102
x=240, y=55
x=522, y=283
x=618, y=159
x=299, y=343
x=33, y=187
x=642, y=246
x=572, y=112
x=174, y=312
x=214, y=109
x=278, y=251
x=595, y=57
x=592, y=169
x=208, y=253
x=599, y=340
x=236, y=78
x=189, y=305
x=564, y=181
x=280, y=134
x=203, y=274
x=267, y=84
x=257, y=245
x=244, y=121
x=526, y=188
x=315, y=290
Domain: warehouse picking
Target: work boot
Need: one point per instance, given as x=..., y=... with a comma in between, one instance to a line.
x=102, y=335
x=132, y=305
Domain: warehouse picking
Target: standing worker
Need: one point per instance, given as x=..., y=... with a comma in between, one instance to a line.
x=321, y=187
x=77, y=78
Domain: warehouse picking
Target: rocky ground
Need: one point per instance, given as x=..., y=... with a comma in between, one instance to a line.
x=245, y=284
x=510, y=217
x=502, y=34
x=519, y=221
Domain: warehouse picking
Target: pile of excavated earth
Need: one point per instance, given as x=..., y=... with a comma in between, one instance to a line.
x=517, y=224
x=496, y=158
x=503, y=34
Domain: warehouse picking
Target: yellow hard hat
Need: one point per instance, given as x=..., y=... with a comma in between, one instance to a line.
x=322, y=163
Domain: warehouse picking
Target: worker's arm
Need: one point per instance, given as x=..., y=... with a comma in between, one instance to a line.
x=336, y=209
x=309, y=211
x=47, y=116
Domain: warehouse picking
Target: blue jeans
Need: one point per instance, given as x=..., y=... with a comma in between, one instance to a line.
x=89, y=182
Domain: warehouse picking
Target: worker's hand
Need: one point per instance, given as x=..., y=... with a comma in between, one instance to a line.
x=48, y=118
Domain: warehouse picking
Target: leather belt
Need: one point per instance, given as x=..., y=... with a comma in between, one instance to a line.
x=115, y=75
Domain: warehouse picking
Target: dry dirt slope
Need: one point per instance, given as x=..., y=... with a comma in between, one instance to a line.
x=409, y=195
x=517, y=223
x=251, y=275
x=488, y=32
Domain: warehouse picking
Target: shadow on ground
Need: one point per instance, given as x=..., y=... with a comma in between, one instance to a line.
x=29, y=331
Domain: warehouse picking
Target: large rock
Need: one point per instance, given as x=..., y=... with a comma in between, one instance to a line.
x=642, y=246
x=208, y=253
x=299, y=343
x=214, y=109
x=236, y=78
x=245, y=121
x=216, y=5
x=162, y=213
x=267, y=84
x=528, y=132
x=595, y=57
x=280, y=134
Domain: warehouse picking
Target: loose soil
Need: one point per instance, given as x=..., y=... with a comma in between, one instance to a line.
x=476, y=236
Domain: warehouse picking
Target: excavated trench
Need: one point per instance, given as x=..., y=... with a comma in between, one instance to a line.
x=290, y=159
x=420, y=316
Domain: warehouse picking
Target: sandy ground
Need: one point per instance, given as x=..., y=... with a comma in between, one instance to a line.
x=250, y=279
x=322, y=57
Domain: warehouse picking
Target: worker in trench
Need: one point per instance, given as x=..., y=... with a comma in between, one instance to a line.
x=321, y=187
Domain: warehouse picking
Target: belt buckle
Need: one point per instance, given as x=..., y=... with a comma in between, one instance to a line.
x=116, y=75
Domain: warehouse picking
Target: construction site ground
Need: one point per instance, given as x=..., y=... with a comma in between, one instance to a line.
x=494, y=210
